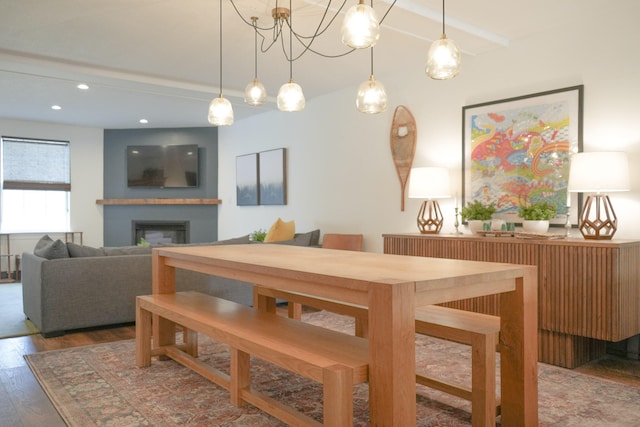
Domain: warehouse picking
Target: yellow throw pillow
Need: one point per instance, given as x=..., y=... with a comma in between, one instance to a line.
x=281, y=231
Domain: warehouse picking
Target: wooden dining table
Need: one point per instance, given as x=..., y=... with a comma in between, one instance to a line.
x=391, y=286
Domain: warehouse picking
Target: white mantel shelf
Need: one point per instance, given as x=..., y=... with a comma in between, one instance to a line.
x=158, y=201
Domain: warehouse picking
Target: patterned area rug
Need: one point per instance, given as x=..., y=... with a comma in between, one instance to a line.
x=101, y=386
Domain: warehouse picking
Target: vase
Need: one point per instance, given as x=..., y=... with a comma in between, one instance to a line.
x=535, y=226
x=475, y=225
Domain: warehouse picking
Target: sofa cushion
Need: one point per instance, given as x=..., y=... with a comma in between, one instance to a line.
x=54, y=250
x=280, y=231
x=77, y=251
x=44, y=241
x=314, y=239
x=242, y=240
x=311, y=238
x=127, y=250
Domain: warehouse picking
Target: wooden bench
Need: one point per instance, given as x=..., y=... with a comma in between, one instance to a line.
x=480, y=331
x=336, y=360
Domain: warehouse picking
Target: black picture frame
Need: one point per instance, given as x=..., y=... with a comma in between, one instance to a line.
x=518, y=150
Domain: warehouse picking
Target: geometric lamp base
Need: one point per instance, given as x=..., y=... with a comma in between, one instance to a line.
x=430, y=217
x=598, y=221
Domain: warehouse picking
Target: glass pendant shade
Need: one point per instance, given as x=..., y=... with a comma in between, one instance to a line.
x=220, y=112
x=290, y=97
x=443, y=59
x=372, y=98
x=255, y=93
x=360, y=28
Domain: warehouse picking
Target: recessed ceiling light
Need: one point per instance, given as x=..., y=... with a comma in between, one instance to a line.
x=144, y=121
x=83, y=86
x=56, y=107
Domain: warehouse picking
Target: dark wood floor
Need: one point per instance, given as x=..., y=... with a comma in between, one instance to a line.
x=22, y=401
x=24, y=404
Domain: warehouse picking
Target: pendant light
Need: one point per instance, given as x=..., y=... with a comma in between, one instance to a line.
x=290, y=96
x=360, y=28
x=443, y=58
x=255, y=93
x=220, y=110
x=372, y=98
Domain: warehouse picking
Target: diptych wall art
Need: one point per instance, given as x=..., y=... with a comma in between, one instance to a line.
x=247, y=180
x=272, y=182
x=261, y=178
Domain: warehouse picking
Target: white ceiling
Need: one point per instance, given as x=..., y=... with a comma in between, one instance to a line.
x=159, y=59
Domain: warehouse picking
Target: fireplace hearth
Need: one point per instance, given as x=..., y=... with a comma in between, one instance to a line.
x=158, y=232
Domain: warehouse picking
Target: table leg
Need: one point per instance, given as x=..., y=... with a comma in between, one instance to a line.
x=163, y=281
x=392, y=373
x=519, y=352
x=263, y=302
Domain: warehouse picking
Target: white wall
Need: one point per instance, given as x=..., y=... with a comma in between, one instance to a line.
x=86, y=176
x=341, y=175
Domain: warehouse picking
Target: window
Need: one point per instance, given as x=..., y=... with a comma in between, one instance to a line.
x=36, y=184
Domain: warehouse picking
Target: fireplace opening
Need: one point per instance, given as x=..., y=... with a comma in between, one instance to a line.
x=159, y=232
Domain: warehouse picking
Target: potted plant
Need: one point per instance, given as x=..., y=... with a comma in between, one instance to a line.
x=536, y=216
x=258, y=235
x=476, y=214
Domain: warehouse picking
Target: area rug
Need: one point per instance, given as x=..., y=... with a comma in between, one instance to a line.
x=12, y=320
x=100, y=385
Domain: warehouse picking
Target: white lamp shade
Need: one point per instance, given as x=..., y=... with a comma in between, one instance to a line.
x=290, y=97
x=360, y=28
x=220, y=112
x=255, y=93
x=443, y=59
x=429, y=183
x=596, y=172
x=372, y=98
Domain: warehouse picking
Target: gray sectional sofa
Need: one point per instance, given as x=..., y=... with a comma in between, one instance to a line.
x=68, y=286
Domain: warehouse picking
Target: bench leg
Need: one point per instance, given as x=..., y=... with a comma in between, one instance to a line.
x=483, y=379
x=295, y=310
x=240, y=373
x=164, y=333
x=190, y=339
x=338, y=396
x=143, y=337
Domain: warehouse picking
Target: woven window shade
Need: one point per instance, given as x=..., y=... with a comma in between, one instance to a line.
x=30, y=164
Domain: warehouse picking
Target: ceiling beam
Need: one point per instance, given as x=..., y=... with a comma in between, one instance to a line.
x=419, y=9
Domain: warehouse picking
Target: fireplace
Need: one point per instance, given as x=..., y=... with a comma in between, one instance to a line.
x=157, y=232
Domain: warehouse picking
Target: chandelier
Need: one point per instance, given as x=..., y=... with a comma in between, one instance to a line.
x=360, y=29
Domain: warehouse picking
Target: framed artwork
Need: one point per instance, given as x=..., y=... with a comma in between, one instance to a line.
x=247, y=190
x=273, y=188
x=517, y=151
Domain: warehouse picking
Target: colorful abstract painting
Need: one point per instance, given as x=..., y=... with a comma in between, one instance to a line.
x=518, y=151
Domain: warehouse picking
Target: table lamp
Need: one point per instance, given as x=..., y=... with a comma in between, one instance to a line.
x=429, y=183
x=598, y=172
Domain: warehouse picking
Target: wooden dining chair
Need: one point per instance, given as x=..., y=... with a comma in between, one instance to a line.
x=347, y=242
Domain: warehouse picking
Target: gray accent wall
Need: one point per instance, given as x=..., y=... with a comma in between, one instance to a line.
x=203, y=219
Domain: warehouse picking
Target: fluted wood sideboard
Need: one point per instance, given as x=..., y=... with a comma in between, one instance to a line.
x=589, y=291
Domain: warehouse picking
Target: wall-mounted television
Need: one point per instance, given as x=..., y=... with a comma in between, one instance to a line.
x=162, y=166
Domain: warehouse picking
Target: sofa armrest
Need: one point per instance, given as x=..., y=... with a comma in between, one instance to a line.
x=31, y=277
